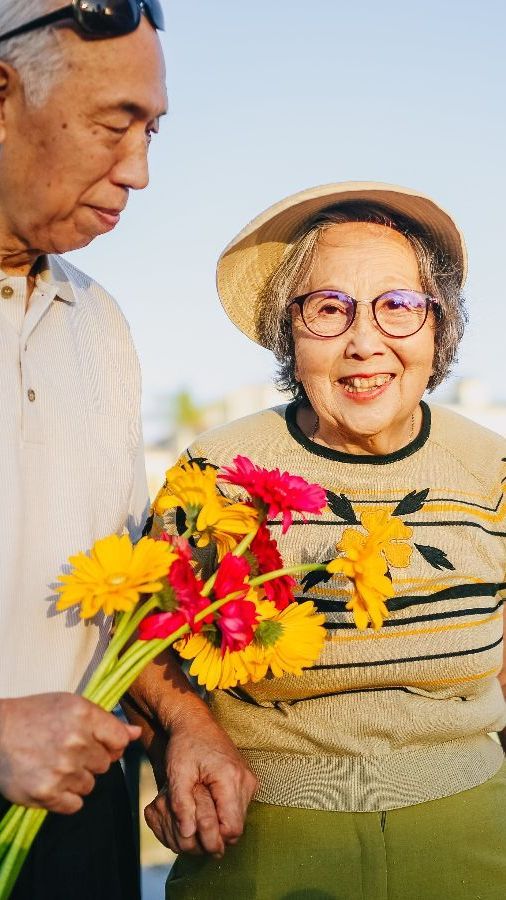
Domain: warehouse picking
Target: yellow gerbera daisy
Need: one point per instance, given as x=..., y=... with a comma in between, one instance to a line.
x=288, y=641
x=114, y=575
x=186, y=485
x=211, y=669
x=298, y=642
x=224, y=523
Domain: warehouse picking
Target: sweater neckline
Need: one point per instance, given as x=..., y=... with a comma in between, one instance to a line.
x=357, y=458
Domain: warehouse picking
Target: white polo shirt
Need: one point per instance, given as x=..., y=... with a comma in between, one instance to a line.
x=71, y=465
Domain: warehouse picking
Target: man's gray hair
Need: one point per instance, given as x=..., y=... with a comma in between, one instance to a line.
x=438, y=277
x=37, y=56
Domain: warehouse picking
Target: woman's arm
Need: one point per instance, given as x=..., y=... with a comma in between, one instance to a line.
x=205, y=784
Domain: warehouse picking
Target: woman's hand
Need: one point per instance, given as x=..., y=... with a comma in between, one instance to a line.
x=203, y=804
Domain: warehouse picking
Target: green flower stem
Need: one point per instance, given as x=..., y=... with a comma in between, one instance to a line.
x=128, y=624
x=288, y=570
x=139, y=655
x=9, y=826
x=29, y=826
x=246, y=541
x=135, y=652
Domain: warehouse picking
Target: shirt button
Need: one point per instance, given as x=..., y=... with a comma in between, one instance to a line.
x=31, y=395
x=7, y=292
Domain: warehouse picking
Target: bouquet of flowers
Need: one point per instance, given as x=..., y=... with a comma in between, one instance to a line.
x=236, y=625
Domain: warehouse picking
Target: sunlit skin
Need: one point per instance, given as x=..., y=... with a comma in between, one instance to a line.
x=74, y=159
x=364, y=260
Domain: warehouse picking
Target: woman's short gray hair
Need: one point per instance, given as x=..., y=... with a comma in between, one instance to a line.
x=438, y=277
x=37, y=56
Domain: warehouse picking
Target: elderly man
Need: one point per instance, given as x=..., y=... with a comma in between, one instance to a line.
x=80, y=97
x=81, y=93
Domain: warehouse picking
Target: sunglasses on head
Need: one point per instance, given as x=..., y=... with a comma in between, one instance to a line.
x=98, y=18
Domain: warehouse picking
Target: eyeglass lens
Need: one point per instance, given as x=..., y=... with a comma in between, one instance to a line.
x=398, y=313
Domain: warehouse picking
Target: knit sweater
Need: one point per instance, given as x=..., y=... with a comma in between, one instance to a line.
x=400, y=715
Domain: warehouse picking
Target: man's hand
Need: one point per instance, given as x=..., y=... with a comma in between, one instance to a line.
x=203, y=804
x=52, y=746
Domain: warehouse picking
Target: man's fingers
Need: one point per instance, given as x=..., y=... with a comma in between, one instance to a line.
x=159, y=818
x=208, y=826
x=96, y=758
x=134, y=732
x=154, y=821
x=67, y=804
x=81, y=782
x=110, y=732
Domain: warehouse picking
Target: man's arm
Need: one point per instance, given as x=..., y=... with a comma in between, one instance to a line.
x=205, y=784
x=53, y=745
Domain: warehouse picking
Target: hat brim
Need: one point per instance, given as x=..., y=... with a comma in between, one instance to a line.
x=255, y=253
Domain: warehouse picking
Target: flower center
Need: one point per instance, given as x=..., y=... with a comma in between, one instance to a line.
x=116, y=580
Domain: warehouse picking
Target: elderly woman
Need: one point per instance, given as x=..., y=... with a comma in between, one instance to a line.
x=378, y=777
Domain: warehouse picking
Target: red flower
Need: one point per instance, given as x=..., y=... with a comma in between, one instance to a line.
x=236, y=622
x=235, y=619
x=266, y=553
x=187, y=588
x=230, y=576
x=279, y=492
x=161, y=625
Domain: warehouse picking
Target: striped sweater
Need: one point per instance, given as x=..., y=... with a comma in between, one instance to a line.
x=401, y=715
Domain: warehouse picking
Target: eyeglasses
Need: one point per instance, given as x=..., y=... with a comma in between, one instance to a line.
x=398, y=313
x=99, y=18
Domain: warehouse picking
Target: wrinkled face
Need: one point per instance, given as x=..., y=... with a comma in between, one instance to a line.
x=66, y=167
x=363, y=383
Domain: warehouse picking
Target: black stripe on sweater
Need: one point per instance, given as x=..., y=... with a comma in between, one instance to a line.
x=410, y=620
x=457, y=592
x=408, y=659
x=340, y=523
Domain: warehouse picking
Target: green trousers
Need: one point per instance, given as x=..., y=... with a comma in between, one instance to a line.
x=449, y=849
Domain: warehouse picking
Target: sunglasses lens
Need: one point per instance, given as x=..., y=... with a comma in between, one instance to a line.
x=108, y=19
x=155, y=13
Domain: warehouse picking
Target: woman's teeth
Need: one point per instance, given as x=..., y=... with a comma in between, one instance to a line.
x=359, y=385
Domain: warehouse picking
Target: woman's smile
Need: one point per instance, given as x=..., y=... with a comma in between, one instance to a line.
x=362, y=387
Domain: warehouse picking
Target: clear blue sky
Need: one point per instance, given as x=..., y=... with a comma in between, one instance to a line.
x=273, y=96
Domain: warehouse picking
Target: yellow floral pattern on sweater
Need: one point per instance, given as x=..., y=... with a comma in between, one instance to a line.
x=365, y=561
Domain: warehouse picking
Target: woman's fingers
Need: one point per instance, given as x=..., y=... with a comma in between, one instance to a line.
x=208, y=826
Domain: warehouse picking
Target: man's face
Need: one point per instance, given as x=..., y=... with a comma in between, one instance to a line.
x=66, y=167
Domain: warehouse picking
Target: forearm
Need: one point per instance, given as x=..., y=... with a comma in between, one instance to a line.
x=160, y=700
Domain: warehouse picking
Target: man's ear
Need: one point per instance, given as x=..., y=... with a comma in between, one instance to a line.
x=9, y=82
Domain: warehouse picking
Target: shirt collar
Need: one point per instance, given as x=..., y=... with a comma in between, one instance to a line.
x=52, y=271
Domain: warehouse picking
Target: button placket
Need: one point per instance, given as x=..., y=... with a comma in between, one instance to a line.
x=33, y=402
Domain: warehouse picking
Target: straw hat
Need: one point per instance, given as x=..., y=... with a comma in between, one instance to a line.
x=255, y=253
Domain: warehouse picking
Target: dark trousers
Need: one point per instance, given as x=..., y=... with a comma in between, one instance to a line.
x=90, y=855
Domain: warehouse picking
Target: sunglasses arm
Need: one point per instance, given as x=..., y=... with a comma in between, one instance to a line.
x=55, y=16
